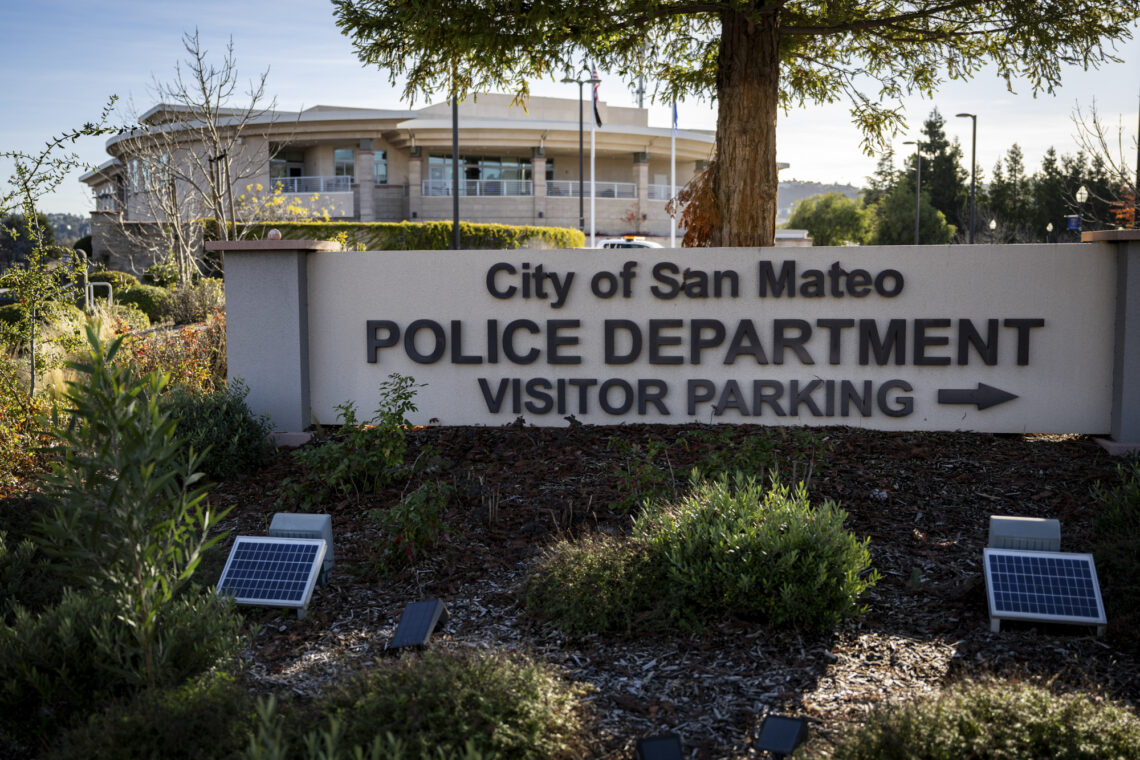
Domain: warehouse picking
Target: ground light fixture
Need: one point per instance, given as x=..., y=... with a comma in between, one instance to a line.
x=663, y=747
x=781, y=735
x=417, y=624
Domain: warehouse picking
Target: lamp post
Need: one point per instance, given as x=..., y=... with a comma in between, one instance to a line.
x=1081, y=196
x=1049, y=232
x=917, y=183
x=581, y=148
x=973, y=165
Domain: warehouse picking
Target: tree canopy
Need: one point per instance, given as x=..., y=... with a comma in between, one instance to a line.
x=831, y=218
x=752, y=56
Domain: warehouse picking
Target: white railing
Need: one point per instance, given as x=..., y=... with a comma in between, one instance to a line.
x=569, y=187
x=312, y=184
x=483, y=187
x=660, y=192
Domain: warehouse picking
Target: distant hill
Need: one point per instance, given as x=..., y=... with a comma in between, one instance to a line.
x=69, y=227
x=795, y=190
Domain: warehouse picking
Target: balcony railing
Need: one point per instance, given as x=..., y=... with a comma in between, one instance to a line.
x=482, y=187
x=312, y=184
x=569, y=188
x=661, y=192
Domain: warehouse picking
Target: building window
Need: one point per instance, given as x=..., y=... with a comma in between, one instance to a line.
x=135, y=180
x=343, y=162
x=381, y=167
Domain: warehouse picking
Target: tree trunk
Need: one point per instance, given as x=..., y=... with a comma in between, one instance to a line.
x=744, y=174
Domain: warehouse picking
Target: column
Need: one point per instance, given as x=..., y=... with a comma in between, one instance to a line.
x=641, y=175
x=415, y=184
x=366, y=181
x=538, y=178
x=267, y=325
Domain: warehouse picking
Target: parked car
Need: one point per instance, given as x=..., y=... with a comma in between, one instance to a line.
x=628, y=241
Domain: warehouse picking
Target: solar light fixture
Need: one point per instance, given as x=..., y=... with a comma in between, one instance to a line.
x=663, y=747
x=293, y=525
x=780, y=734
x=417, y=624
x=1033, y=533
x=1047, y=587
x=272, y=572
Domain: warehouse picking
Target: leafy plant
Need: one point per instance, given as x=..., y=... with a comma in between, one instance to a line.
x=1117, y=534
x=19, y=412
x=509, y=706
x=63, y=661
x=646, y=473
x=129, y=520
x=413, y=526
x=197, y=301
x=193, y=357
x=162, y=274
x=155, y=302
x=220, y=425
x=725, y=547
x=206, y=717
x=991, y=720
x=359, y=458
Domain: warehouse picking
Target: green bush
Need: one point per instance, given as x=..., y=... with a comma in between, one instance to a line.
x=509, y=705
x=723, y=548
x=1117, y=535
x=220, y=426
x=411, y=527
x=418, y=236
x=197, y=301
x=164, y=274
x=205, y=718
x=10, y=313
x=120, y=282
x=64, y=661
x=83, y=244
x=157, y=303
x=360, y=458
x=992, y=720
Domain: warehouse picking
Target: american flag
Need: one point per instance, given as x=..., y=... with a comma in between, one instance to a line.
x=597, y=114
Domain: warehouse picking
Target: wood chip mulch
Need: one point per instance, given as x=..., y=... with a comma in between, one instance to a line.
x=923, y=499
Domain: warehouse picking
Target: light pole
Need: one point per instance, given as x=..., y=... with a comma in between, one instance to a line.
x=1049, y=232
x=973, y=165
x=1082, y=195
x=917, y=183
x=581, y=149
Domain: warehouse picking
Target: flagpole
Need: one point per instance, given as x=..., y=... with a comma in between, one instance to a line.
x=593, y=195
x=673, y=180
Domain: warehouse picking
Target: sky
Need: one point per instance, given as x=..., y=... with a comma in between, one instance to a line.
x=60, y=61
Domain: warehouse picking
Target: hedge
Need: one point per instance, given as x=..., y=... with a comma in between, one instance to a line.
x=417, y=236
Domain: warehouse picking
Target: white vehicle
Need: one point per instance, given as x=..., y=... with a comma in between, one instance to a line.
x=628, y=241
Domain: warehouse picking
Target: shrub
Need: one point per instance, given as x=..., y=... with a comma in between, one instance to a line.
x=726, y=547
x=157, y=303
x=205, y=718
x=992, y=720
x=128, y=519
x=360, y=458
x=219, y=425
x=418, y=236
x=509, y=705
x=59, y=663
x=120, y=282
x=1117, y=534
x=197, y=301
x=19, y=414
x=164, y=274
x=193, y=357
x=413, y=526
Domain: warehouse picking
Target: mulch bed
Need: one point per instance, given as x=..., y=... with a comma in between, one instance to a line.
x=922, y=499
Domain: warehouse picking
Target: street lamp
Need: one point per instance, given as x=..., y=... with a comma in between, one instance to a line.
x=1081, y=196
x=1049, y=232
x=581, y=148
x=917, y=182
x=973, y=165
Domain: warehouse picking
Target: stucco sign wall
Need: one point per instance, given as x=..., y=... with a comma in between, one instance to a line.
x=987, y=338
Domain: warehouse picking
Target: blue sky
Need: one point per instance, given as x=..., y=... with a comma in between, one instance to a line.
x=60, y=60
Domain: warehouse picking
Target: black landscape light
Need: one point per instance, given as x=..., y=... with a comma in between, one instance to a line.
x=663, y=747
x=417, y=624
x=780, y=734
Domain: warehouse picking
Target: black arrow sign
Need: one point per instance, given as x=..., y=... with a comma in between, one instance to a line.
x=984, y=396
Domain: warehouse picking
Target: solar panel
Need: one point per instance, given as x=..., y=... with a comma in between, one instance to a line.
x=272, y=572
x=780, y=734
x=664, y=747
x=1042, y=586
x=417, y=623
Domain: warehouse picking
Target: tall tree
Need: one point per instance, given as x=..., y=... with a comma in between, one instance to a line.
x=1009, y=197
x=752, y=56
x=893, y=219
x=831, y=218
x=943, y=174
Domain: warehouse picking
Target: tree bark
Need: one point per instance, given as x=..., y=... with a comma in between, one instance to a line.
x=744, y=177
